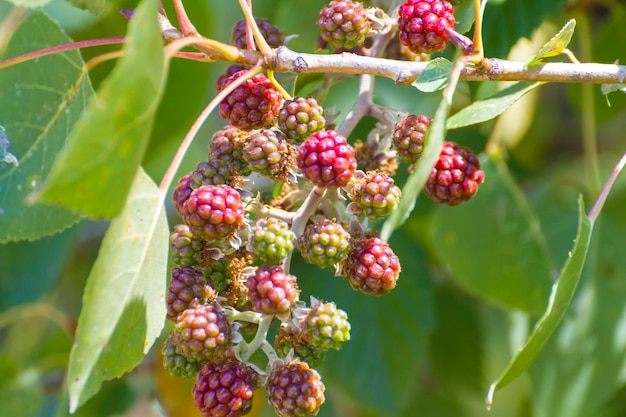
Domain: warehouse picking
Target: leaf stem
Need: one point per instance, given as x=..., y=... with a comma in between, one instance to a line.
x=264, y=47
x=10, y=24
x=186, y=27
x=259, y=338
x=597, y=207
x=191, y=134
x=59, y=48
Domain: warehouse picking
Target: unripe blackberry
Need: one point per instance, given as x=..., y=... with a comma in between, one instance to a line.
x=455, y=177
x=423, y=23
x=300, y=117
x=295, y=390
x=182, y=192
x=326, y=326
x=177, y=364
x=212, y=172
x=187, y=250
x=271, y=290
x=213, y=212
x=187, y=289
x=371, y=267
x=376, y=195
x=227, y=146
x=267, y=152
x=343, y=23
x=225, y=389
x=231, y=70
x=301, y=350
x=252, y=105
x=272, y=239
x=219, y=274
x=272, y=34
x=203, y=333
x=324, y=243
x=327, y=159
x=409, y=135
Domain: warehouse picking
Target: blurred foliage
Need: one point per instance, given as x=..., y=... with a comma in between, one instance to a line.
x=474, y=280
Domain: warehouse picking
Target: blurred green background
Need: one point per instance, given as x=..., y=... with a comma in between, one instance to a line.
x=472, y=282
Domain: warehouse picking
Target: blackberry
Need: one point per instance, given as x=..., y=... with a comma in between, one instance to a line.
x=252, y=105
x=227, y=146
x=272, y=239
x=409, y=135
x=188, y=288
x=268, y=153
x=272, y=34
x=455, y=177
x=423, y=23
x=343, y=24
x=371, y=267
x=271, y=290
x=324, y=243
x=225, y=389
x=213, y=212
x=175, y=363
x=327, y=159
x=300, y=117
x=326, y=326
x=294, y=389
x=203, y=333
x=376, y=195
x=187, y=250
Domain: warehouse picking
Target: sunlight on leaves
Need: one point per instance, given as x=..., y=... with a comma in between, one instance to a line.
x=556, y=45
x=560, y=299
x=123, y=303
x=108, y=143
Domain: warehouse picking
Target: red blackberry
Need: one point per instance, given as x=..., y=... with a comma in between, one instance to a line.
x=267, y=152
x=409, y=135
x=455, y=177
x=327, y=159
x=187, y=289
x=230, y=71
x=182, y=192
x=300, y=117
x=343, y=24
x=252, y=105
x=225, y=389
x=272, y=34
x=294, y=389
x=371, y=267
x=203, y=333
x=271, y=290
x=213, y=212
x=423, y=23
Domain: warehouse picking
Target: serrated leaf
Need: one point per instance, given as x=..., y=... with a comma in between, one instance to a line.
x=415, y=182
x=491, y=107
x=435, y=76
x=40, y=101
x=123, y=306
x=108, y=143
x=560, y=298
x=492, y=267
x=94, y=6
x=556, y=45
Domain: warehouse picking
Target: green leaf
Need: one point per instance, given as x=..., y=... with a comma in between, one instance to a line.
x=505, y=258
x=95, y=171
x=491, y=107
x=123, y=307
x=415, y=182
x=556, y=45
x=506, y=21
x=40, y=102
x=435, y=76
x=94, y=6
x=560, y=299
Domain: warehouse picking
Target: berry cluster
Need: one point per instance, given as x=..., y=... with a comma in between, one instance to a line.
x=276, y=180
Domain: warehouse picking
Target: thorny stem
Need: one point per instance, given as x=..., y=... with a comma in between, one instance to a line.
x=248, y=349
x=597, y=207
x=59, y=48
x=184, y=146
